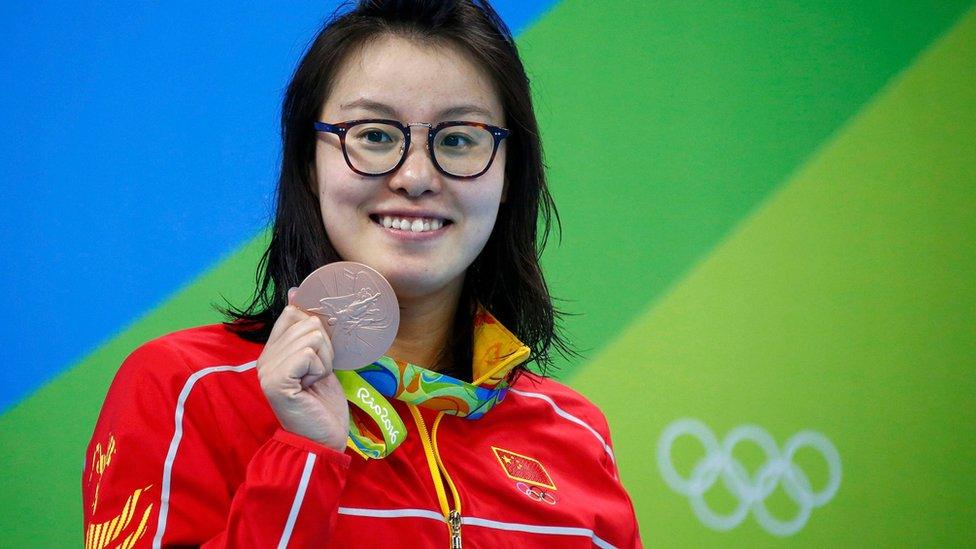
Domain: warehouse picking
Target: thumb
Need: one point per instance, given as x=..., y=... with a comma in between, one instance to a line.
x=292, y=292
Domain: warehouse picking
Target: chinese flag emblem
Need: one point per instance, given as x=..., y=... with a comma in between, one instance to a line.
x=523, y=468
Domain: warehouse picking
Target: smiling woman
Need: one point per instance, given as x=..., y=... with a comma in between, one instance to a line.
x=410, y=146
x=425, y=268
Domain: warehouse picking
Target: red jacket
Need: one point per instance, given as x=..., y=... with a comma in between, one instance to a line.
x=187, y=451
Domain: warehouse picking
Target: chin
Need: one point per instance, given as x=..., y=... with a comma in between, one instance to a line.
x=416, y=284
x=410, y=277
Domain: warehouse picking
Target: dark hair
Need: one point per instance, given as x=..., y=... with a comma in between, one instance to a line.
x=505, y=277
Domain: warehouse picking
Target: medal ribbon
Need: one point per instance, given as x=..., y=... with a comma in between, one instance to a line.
x=368, y=388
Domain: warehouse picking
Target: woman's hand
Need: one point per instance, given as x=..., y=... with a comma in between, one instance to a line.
x=295, y=370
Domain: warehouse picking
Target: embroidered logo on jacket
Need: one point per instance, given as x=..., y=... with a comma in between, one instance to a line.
x=530, y=476
x=101, y=458
x=102, y=534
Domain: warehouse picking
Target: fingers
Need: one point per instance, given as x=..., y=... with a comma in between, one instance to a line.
x=283, y=358
x=313, y=367
x=295, y=373
x=311, y=323
x=289, y=316
x=298, y=352
x=316, y=340
x=284, y=326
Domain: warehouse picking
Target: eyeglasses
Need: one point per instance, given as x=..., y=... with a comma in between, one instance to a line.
x=376, y=146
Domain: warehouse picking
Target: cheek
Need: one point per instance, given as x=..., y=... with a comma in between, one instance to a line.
x=341, y=217
x=484, y=209
x=487, y=200
x=329, y=163
x=340, y=192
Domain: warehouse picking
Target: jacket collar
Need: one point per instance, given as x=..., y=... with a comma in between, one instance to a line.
x=496, y=350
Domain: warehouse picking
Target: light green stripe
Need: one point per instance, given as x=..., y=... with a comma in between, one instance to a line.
x=667, y=122
x=845, y=305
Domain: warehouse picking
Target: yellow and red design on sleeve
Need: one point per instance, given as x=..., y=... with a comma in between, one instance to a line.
x=102, y=534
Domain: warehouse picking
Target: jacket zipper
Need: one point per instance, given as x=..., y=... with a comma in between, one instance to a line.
x=455, y=523
x=439, y=474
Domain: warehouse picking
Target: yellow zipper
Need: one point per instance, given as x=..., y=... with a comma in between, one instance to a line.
x=438, y=474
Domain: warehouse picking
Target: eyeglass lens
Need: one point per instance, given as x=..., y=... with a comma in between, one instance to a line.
x=459, y=150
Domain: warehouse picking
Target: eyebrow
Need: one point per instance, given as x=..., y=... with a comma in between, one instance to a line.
x=388, y=111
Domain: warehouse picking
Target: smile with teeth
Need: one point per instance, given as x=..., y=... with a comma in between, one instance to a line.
x=411, y=224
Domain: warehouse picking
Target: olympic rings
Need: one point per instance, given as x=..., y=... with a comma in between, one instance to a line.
x=536, y=493
x=751, y=492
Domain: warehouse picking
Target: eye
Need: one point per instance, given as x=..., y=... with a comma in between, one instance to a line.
x=376, y=136
x=456, y=140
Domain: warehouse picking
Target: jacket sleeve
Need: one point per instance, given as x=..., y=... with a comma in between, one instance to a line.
x=156, y=477
x=621, y=518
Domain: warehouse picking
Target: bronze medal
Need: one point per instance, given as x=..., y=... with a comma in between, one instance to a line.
x=358, y=308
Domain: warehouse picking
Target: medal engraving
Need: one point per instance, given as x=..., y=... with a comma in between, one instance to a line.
x=359, y=308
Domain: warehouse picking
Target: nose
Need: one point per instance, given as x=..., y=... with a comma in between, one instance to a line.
x=417, y=176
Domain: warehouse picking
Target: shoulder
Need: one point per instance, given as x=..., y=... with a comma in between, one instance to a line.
x=563, y=405
x=200, y=347
x=163, y=372
x=179, y=355
x=558, y=395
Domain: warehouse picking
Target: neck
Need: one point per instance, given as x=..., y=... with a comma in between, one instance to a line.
x=425, y=329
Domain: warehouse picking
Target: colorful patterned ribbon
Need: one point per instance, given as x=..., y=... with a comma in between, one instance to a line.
x=367, y=387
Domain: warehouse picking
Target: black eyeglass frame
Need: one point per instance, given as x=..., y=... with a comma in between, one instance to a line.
x=342, y=128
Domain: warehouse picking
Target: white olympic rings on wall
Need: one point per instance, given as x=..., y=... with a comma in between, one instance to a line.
x=751, y=492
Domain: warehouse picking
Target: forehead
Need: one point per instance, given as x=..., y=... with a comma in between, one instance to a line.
x=418, y=81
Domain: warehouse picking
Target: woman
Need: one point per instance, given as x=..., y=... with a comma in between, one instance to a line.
x=410, y=145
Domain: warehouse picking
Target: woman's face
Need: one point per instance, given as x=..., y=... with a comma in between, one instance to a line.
x=399, y=79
